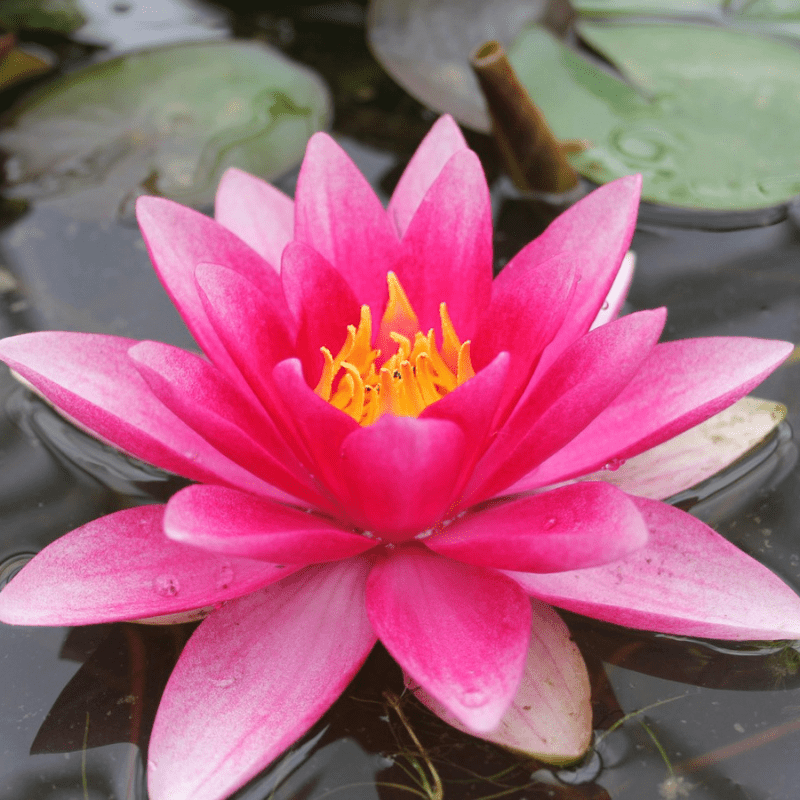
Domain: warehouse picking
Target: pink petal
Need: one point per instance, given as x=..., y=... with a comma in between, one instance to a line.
x=585, y=379
x=446, y=252
x=687, y=580
x=695, y=455
x=194, y=390
x=576, y=526
x=550, y=717
x=443, y=140
x=123, y=567
x=599, y=227
x=679, y=385
x=226, y=521
x=473, y=406
x=460, y=631
x=322, y=303
x=528, y=304
x=321, y=428
x=90, y=379
x=246, y=320
x=179, y=239
x=401, y=473
x=258, y=213
x=254, y=677
x=338, y=214
x=615, y=298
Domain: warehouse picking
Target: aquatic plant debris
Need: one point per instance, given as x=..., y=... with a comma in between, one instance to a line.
x=444, y=518
x=166, y=121
x=689, y=94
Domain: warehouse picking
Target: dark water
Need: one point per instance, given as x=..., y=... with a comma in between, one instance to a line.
x=707, y=721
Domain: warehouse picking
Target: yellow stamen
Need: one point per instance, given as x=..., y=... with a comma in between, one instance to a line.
x=465, y=370
x=450, y=344
x=407, y=381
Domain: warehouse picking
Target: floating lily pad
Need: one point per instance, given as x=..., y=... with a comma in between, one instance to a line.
x=61, y=16
x=167, y=122
x=647, y=7
x=708, y=115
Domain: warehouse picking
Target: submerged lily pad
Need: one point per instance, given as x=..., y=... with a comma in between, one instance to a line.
x=425, y=46
x=708, y=115
x=167, y=122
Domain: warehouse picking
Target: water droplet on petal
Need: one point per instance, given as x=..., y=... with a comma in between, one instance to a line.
x=614, y=464
x=605, y=306
x=550, y=524
x=225, y=576
x=222, y=683
x=166, y=585
x=473, y=698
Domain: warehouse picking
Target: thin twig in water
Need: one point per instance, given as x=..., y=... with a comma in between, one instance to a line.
x=435, y=792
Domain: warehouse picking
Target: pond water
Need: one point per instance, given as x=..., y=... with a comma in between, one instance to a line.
x=674, y=717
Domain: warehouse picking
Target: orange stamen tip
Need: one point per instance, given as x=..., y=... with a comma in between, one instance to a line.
x=406, y=382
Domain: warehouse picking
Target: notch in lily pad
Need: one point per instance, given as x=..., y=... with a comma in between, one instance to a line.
x=165, y=121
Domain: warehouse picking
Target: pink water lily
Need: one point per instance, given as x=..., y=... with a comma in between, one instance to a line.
x=384, y=443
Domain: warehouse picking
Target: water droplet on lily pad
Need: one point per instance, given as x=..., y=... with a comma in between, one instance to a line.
x=166, y=121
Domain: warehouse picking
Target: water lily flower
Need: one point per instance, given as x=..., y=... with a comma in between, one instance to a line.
x=386, y=445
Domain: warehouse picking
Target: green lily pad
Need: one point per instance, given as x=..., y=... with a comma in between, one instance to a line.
x=667, y=8
x=61, y=16
x=708, y=115
x=166, y=121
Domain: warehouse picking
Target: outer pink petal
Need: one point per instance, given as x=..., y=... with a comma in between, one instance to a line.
x=460, y=631
x=687, y=580
x=338, y=214
x=680, y=385
x=615, y=298
x=123, y=567
x=226, y=521
x=587, y=377
x=322, y=303
x=179, y=239
x=446, y=252
x=443, y=140
x=575, y=526
x=258, y=213
x=401, y=473
x=550, y=717
x=254, y=677
x=93, y=381
x=195, y=391
x=599, y=227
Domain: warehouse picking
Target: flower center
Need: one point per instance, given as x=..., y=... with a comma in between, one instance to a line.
x=406, y=382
